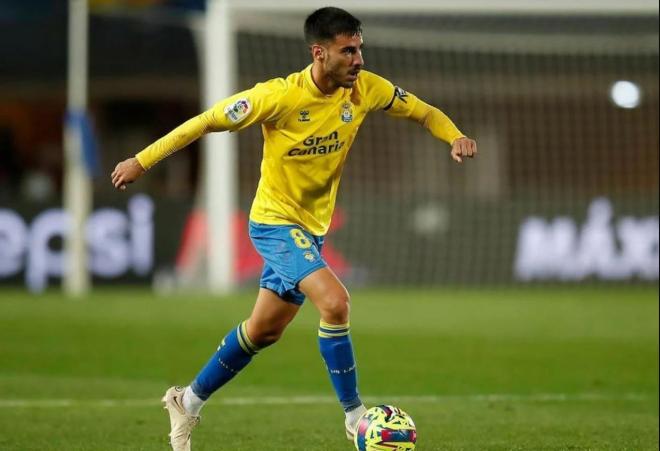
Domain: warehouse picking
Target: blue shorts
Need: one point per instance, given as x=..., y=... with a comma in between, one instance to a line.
x=290, y=254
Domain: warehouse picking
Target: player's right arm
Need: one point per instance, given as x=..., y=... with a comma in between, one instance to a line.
x=263, y=103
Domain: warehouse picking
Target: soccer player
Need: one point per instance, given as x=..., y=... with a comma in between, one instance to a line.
x=309, y=121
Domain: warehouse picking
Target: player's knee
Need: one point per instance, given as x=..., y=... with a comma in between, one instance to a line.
x=266, y=336
x=337, y=307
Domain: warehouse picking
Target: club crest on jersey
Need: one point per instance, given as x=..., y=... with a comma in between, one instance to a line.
x=304, y=116
x=237, y=111
x=347, y=112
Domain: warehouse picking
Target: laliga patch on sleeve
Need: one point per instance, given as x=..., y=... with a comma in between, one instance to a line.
x=238, y=110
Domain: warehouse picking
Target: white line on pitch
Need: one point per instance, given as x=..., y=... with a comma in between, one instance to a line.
x=283, y=400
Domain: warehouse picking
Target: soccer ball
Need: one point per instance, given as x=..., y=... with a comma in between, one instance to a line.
x=386, y=428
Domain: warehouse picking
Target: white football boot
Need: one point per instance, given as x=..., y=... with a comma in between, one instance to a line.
x=352, y=419
x=181, y=422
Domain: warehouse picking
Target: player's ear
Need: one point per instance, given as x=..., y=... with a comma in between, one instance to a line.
x=318, y=52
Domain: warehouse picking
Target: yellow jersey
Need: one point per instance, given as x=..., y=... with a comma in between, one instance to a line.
x=307, y=136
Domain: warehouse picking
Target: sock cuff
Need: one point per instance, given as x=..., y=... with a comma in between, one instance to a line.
x=327, y=330
x=244, y=339
x=198, y=391
x=351, y=404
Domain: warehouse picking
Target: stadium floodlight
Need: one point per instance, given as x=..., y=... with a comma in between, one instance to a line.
x=625, y=94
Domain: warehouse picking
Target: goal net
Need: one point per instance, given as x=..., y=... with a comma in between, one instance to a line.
x=564, y=107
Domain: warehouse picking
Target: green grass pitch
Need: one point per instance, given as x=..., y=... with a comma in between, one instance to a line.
x=503, y=369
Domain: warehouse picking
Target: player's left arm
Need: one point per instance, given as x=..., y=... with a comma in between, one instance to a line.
x=399, y=103
x=441, y=127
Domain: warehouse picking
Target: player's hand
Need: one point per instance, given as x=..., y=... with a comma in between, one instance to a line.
x=463, y=147
x=126, y=172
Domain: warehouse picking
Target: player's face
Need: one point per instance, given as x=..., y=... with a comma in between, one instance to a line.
x=343, y=60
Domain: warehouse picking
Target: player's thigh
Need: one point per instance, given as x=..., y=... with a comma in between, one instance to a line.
x=270, y=315
x=327, y=293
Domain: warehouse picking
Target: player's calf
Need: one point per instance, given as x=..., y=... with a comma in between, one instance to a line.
x=337, y=351
x=234, y=353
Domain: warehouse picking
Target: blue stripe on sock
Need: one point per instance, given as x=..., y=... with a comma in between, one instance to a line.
x=332, y=331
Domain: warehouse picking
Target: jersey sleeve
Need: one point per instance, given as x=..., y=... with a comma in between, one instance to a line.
x=265, y=102
x=383, y=95
x=396, y=102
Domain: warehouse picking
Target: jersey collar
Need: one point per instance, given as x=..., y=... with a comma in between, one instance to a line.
x=314, y=90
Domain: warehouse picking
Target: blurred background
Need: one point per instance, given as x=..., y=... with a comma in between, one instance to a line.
x=563, y=101
x=510, y=302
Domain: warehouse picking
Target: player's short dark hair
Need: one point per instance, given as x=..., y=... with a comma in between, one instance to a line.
x=326, y=23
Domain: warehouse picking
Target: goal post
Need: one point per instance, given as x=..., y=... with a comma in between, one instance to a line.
x=220, y=149
x=77, y=180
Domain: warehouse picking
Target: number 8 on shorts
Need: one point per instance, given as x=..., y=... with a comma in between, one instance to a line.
x=300, y=239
